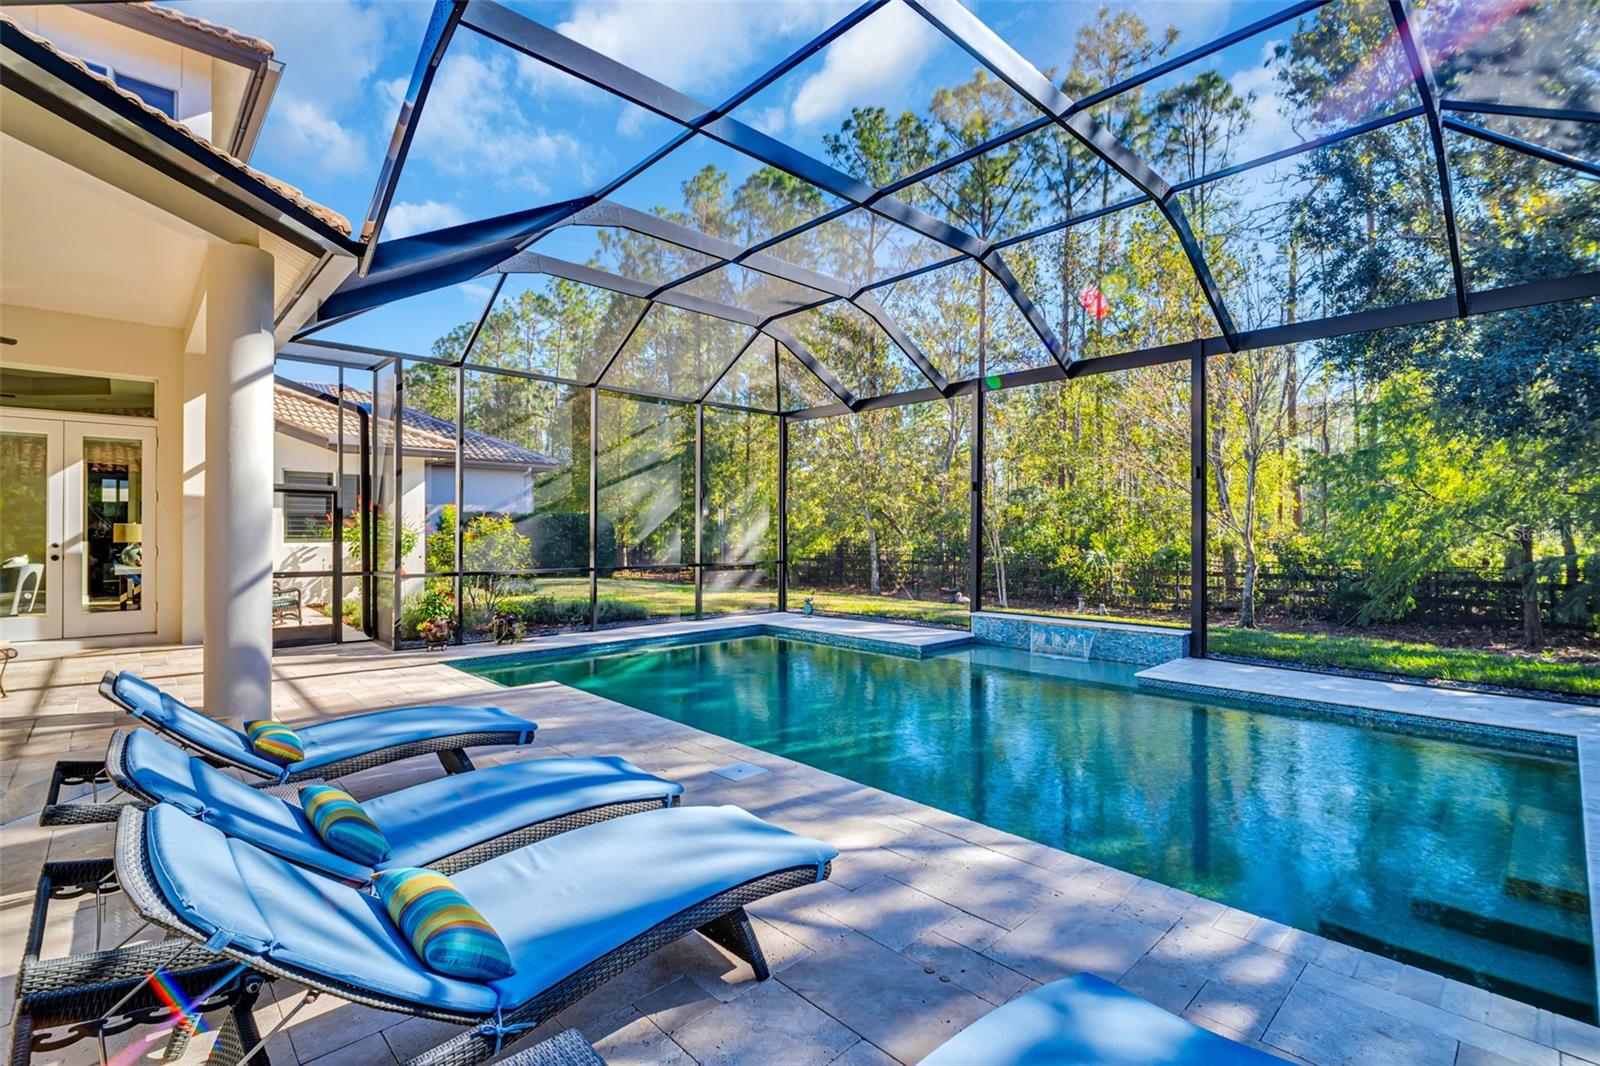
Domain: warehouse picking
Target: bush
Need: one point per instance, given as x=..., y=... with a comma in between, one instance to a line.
x=561, y=540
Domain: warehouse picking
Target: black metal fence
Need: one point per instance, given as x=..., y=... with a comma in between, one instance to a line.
x=1447, y=597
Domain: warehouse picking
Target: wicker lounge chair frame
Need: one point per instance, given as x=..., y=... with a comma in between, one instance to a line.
x=720, y=918
x=76, y=991
x=450, y=749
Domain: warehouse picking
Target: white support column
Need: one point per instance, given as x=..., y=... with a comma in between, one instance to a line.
x=238, y=492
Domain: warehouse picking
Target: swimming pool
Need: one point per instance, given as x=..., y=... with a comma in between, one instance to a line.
x=1460, y=858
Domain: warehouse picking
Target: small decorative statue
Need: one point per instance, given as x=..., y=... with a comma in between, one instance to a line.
x=507, y=627
x=436, y=632
x=809, y=607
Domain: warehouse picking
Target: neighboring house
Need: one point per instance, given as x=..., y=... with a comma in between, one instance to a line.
x=497, y=476
x=149, y=275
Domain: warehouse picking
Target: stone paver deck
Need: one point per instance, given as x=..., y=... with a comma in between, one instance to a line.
x=930, y=920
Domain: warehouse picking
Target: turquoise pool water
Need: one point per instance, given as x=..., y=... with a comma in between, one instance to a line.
x=1460, y=858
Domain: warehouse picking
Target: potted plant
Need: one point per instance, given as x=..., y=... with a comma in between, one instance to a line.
x=507, y=627
x=436, y=632
x=436, y=611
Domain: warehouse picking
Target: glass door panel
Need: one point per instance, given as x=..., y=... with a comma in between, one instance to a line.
x=30, y=529
x=109, y=517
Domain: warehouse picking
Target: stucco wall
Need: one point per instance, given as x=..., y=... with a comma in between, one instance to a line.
x=497, y=490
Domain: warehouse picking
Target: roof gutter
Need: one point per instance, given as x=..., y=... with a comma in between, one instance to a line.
x=253, y=109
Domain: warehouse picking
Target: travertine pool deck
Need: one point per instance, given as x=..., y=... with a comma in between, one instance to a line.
x=929, y=922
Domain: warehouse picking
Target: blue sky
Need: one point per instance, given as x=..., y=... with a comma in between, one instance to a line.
x=503, y=132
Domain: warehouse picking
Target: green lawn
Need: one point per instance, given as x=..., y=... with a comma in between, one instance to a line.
x=565, y=601
x=1413, y=660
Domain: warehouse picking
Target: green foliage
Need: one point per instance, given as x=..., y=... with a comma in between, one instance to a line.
x=383, y=535
x=1408, y=658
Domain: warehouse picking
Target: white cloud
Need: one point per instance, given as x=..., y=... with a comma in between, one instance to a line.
x=476, y=293
x=694, y=45
x=1269, y=128
x=473, y=126
x=769, y=120
x=310, y=133
x=881, y=54
x=406, y=217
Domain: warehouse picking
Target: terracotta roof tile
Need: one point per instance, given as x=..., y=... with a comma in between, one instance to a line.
x=221, y=33
x=318, y=417
x=325, y=215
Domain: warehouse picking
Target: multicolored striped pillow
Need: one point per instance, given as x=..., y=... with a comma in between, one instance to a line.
x=446, y=932
x=273, y=740
x=343, y=825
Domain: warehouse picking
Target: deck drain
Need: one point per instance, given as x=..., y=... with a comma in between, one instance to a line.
x=739, y=771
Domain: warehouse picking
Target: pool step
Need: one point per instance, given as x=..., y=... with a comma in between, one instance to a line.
x=1535, y=871
x=1555, y=984
x=1534, y=927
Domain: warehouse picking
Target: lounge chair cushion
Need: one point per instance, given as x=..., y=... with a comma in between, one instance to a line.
x=445, y=930
x=341, y=823
x=423, y=823
x=1086, y=1021
x=569, y=899
x=356, y=734
x=168, y=714
x=154, y=768
x=275, y=742
x=557, y=905
x=324, y=742
x=444, y=815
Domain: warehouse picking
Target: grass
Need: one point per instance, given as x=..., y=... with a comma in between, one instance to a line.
x=1410, y=659
x=931, y=611
x=565, y=601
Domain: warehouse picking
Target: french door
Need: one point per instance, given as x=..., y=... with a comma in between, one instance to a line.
x=77, y=528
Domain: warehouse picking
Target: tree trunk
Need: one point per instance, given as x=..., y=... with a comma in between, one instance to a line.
x=1002, y=596
x=874, y=584
x=1247, y=598
x=1532, y=624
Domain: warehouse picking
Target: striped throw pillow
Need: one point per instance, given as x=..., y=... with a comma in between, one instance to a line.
x=445, y=931
x=343, y=825
x=273, y=740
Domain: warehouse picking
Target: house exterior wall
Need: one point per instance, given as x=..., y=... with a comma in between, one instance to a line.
x=493, y=489
x=292, y=452
x=97, y=40
x=53, y=340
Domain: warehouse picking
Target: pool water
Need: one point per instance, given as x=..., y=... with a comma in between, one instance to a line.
x=1463, y=859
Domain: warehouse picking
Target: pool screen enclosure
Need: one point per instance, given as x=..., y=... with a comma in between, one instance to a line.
x=1312, y=172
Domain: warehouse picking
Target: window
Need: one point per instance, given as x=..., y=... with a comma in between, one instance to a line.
x=42, y=390
x=308, y=517
x=159, y=97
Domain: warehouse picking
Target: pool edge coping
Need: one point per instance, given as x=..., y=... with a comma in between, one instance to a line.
x=1579, y=724
x=918, y=643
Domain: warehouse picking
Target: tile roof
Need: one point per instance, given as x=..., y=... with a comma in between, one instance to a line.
x=326, y=215
x=221, y=33
x=292, y=407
